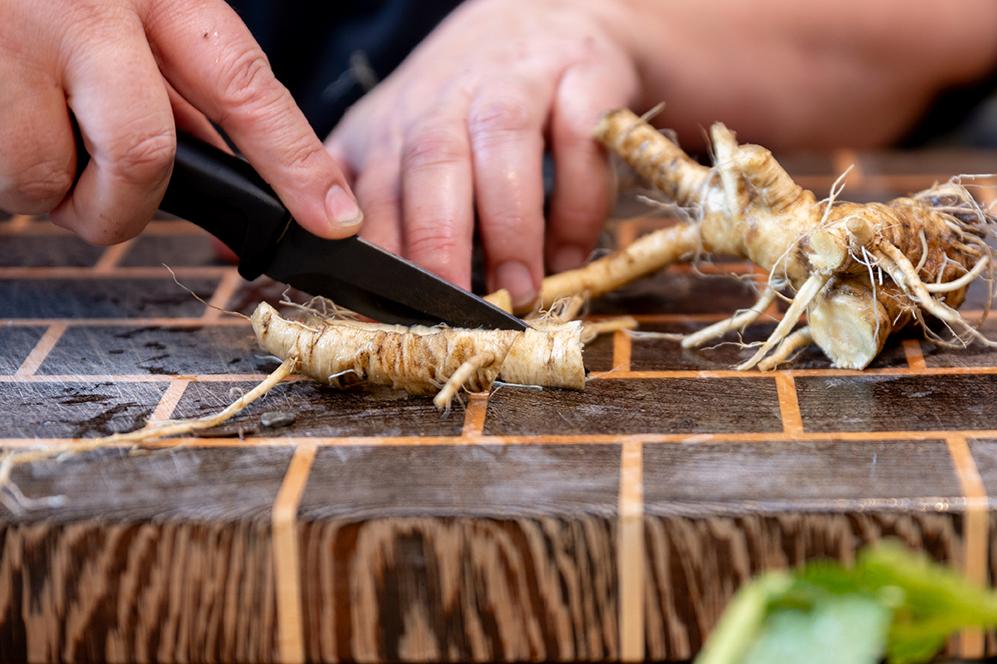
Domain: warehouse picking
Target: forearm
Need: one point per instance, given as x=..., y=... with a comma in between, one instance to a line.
x=819, y=74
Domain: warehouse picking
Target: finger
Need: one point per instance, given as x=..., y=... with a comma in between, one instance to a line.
x=437, y=203
x=120, y=102
x=507, y=143
x=379, y=190
x=583, y=188
x=213, y=61
x=192, y=121
x=37, y=160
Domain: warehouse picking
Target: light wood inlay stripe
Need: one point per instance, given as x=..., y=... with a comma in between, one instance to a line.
x=38, y=354
x=226, y=288
x=974, y=532
x=19, y=223
x=595, y=375
x=630, y=553
x=915, y=357
x=287, y=576
x=621, y=351
x=626, y=233
x=842, y=160
x=474, y=415
x=111, y=271
x=168, y=402
x=109, y=260
x=539, y=439
x=789, y=405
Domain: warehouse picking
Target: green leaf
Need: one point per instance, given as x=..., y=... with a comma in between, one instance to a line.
x=743, y=619
x=838, y=629
x=930, y=602
x=893, y=602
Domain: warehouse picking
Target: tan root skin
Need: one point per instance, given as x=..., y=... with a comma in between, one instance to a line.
x=421, y=360
x=862, y=271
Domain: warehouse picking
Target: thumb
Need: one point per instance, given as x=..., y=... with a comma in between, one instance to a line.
x=225, y=75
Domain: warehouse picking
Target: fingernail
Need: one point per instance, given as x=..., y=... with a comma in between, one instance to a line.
x=342, y=208
x=515, y=278
x=567, y=257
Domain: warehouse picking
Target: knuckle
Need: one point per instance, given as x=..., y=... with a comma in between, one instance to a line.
x=144, y=157
x=245, y=79
x=434, y=146
x=43, y=184
x=499, y=116
x=303, y=155
x=431, y=241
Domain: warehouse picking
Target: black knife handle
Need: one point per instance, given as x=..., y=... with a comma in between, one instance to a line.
x=222, y=194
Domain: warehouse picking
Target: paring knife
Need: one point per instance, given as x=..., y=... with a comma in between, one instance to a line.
x=222, y=194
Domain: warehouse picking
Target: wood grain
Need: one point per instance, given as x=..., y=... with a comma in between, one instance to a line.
x=478, y=565
x=166, y=557
x=695, y=565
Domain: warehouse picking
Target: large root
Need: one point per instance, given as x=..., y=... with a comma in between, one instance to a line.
x=930, y=246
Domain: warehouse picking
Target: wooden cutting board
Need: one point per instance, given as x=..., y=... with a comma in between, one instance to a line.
x=608, y=524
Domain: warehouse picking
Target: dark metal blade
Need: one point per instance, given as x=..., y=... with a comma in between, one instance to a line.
x=359, y=276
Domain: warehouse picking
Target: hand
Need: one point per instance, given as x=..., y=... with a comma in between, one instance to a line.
x=462, y=124
x=130, y=71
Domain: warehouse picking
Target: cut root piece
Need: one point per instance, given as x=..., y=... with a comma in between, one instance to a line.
x=851, y=325
x=422, y=360
x=645, y=256
x=737, y=322
x=501, y=299
x=811, y=287
x=801, y=338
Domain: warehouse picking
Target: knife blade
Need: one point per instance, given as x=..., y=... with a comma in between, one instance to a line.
x=225, y=196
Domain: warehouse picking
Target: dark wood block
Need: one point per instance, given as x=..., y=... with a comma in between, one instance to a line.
x=157, y=350
x=804, y=163
x=250, y=293
x=161, y=555
x=319, y=410
x=101, y=298
x=706, y=478
x=598, y=353
x=677, y=293
x=695, y=565
x=46, y=251
x=984, y=452
x=649, y=354
x=976, y=296
x=15, y=344
x=174, y=250
x=891, y=403
x=717, y=514
x=878, y=191
x=74, y=410
x=974, y=355
x=610, y=406
x=447, y=553
x=941, y=163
